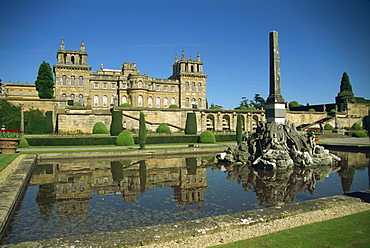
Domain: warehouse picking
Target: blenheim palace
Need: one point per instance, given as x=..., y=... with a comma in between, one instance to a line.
x=75, y=81
x=83, y=97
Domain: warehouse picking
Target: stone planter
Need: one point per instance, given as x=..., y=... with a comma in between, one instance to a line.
x=9, y=145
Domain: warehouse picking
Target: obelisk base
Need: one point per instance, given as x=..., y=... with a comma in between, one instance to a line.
x=275, y=112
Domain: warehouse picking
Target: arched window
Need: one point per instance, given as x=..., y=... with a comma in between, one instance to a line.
x=199, y=103
x=72, y=60
x=150, y=102
x=105, y=101
x=173, y=101
x=124, y=99
x=72, y=81
x=140, y=84
x=112, y=98
x=187, y=103
x=140, y=101
x=64, y=96
x=64, y=81
x=81, y=99
x=187, y=86
x=96, y=101
x=193, y=87
x=165, y=102
x=72, y=97
x=158, y=102
x=199, y=87
x=193, y=101
x=81, y=81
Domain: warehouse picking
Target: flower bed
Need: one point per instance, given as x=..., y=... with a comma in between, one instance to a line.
x=9, y=133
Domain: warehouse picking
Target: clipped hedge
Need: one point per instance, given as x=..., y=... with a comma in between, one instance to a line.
x=191, y=124
x=356, y=126
x=23, y=143
x=207, y=137
x=100, y=128
x=125, y=139
x=311, y=110
x=328, y=127
x=125, y=105
x=359, y=134
x=116, y=124
x=163, y=128
x=169, y=139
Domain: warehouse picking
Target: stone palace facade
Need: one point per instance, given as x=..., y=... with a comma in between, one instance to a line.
x=74, y=80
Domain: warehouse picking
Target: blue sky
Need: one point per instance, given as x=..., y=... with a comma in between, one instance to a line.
x=318, y=39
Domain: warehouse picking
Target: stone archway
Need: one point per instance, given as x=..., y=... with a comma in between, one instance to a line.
x=226, y=123
x=210, y=122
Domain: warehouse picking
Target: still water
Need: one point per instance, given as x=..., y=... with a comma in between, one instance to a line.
x=86, y=196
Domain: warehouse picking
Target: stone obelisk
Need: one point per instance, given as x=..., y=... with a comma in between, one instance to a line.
x=275, y=104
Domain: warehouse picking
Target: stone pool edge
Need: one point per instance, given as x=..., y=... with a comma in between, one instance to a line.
x=12, y=190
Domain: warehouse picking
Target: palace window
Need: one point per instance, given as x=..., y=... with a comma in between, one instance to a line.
x=140, y=101
x=150, y=102
x=165, y=102
x=80, y=81
x=112, y=98
x=124, y=100
x=193, y=87
x=173, y=101
x=64, y=81
x=173, y=88
x=158, y=102
x=140, y=84
x=81, y=99
x=96, y=85
x=165, y=88
x=187, y=86
x=64, y=96
x=105, y=101
x=187, y=103
x=105, y=86
x=96, y=101
x=72, y=81
x=199, y=87
x=158, y=88
x=199, y=103
x=150, y=86
x=124, y=85
x=72, y=97
x=113, y=85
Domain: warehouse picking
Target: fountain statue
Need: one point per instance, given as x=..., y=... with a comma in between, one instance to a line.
x=277, y=143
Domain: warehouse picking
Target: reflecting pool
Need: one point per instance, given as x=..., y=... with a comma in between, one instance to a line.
x=71, y=197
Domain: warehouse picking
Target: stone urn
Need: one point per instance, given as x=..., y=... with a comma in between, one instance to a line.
x=317, y=137
x=9, y=145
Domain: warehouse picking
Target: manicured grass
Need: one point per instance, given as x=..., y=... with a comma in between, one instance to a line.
x=348, y=231
x=6, y=159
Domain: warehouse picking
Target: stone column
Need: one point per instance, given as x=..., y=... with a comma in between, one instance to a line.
x=275, y=104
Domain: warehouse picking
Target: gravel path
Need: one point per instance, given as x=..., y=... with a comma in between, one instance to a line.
x=264, y=228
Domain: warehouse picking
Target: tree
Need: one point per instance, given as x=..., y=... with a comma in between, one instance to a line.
x=9, y=115
x=239, y=129
x=293, y=104
x=49, y=122
x=142, y=131
x=44, y=82
x=191, y=124
x=346, y=93
x=258, y=102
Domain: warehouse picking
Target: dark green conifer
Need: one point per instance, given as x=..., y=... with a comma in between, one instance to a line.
x=142, y=131
x=44, y=82
x=191, y=124
x=116, y=124
x=239, y=129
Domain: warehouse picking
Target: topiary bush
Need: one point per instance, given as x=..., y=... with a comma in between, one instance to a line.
x=191, y=124
x=251, y=108
x=328, y=127
x=100, y=128
x=311, y=110
x=49, y=122
x=333, y=111
x=356, y=126
x=125, y=139
x=359, y=134
x=215, y=107
x=125, y=105
x=23, y=143
x=116, y=124
x=243, y=107
x=207, y=137
x=173, y=106
x=163, y=128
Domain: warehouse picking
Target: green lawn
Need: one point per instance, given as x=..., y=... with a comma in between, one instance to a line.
x=348, y=231
x=6, y=159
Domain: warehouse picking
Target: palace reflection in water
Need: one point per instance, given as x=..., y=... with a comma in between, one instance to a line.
x=71, y=197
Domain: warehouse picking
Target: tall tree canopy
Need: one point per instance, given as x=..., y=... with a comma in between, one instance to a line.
x=44, y=82
x=258, y=102
x=346, y=93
